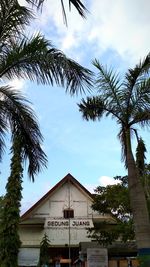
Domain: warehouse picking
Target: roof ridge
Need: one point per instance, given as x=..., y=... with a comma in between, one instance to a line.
x=66, y=178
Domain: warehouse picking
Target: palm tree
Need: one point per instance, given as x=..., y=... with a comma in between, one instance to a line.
x=18, y=118
x=35, y=58
x=32, y=58
x=128, y=102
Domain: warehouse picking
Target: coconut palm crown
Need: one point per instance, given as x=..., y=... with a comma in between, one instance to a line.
x=16, y=115
x=32, y=58
x=128, y=102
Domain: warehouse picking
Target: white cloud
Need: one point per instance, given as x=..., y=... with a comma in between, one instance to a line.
x=122, y=26
x=18, y=84
x=23, y=2
x=106, y=180
x=102, y=181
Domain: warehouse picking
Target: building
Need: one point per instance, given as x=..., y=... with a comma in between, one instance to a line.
x=64, y=214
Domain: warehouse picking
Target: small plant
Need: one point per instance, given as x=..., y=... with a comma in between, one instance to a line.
x=44, y=252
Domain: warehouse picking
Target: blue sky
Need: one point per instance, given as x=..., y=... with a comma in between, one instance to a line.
x=116, y=33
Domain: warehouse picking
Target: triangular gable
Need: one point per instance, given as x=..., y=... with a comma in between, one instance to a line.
x=66, y=179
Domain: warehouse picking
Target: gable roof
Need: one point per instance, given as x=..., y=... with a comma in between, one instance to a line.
x=66, y=179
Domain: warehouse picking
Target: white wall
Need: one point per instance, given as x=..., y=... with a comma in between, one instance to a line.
x=65, y=196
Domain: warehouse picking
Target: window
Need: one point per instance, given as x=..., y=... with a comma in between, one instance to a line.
x=68, y=213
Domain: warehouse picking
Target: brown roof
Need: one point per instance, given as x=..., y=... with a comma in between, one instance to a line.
x=67, y=178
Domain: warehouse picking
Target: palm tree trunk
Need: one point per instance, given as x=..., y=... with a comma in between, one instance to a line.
x=139, y=206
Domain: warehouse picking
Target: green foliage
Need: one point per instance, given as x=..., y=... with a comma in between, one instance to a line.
x=9, y=237
x=113, y=200
x=21, y=120
x=44, y=252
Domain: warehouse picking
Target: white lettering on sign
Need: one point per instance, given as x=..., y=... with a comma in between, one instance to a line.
x=65, y=223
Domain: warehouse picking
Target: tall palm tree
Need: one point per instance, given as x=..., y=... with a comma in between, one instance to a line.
x=18, y=118
x=35, y=59
x=128, y=102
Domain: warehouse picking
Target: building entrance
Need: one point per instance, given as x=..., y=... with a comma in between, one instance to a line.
x=59, y=256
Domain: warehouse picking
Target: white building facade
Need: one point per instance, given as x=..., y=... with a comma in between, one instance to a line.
x=64, y=214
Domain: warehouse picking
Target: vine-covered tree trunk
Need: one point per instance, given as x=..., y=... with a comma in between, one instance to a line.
x=9, y=237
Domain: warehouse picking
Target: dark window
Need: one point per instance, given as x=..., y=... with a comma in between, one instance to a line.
x=68, y=213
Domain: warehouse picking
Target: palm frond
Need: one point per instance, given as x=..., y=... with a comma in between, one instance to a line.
x=108, y=84
x=140, y=104
x=92, y=108
x=13, y=19
x=71, y=75
x=142, y=118
x=37, y=60
x=23, y=125
x=3, y=130
x=80, y=7
x=134, y=77
x=122, y=138
x=139, y=101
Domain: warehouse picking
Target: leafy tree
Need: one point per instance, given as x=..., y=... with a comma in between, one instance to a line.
x=127, y=102
x=44, y=251
x=113, y=200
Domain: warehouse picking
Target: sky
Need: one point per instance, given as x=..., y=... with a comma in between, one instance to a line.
x=117, y=34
